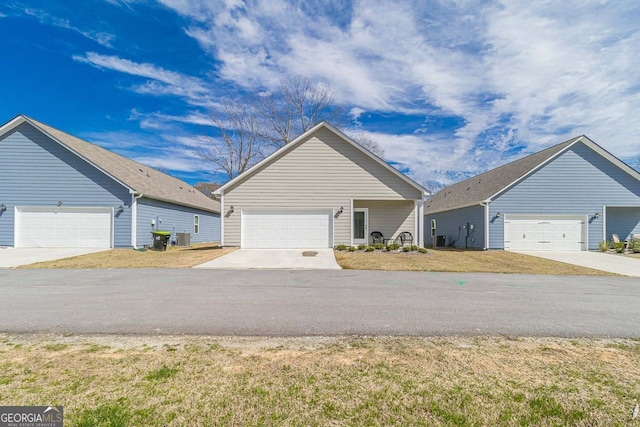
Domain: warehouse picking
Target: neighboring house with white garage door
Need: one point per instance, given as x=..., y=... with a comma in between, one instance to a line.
x=568, y=197
x=59, y=191
x=318, y=191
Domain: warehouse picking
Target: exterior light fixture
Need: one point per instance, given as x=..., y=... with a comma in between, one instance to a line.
x=341, y=209
x=59, y=202
x=2, y=207
x=596, y=215
x=498, y=215
x=231, y=209
x=120, y=208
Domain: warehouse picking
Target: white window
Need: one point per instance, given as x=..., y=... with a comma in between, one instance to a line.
x=196, y=224
x=433, y=227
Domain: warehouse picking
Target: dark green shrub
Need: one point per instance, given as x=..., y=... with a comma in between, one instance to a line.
x=635, y=247
x=378, y=246
x=414, y=248
x=603, y=246
x=370, y=249
x=361, y=246
x=393, y=246
x=406, y=249
x=352, y=249
x=423, y=250
x=341, y=247
x=619, y=247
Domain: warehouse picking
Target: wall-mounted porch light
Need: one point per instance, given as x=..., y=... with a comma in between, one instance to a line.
x=2, y=207
x=596, y=215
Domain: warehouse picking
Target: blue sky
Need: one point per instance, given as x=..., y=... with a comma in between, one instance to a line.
x=447, y=88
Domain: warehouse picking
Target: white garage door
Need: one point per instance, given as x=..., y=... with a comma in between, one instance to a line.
x=544, y=234
x=283, y=230
x=46, y=227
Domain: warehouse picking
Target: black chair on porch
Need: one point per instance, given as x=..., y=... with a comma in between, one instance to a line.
x=404, y=238
x=378, y=237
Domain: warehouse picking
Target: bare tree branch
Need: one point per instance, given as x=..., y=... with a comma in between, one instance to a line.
x=250, y=130
x=297, y=106
x=433, y=186
x=367, y=142
x=239, y=145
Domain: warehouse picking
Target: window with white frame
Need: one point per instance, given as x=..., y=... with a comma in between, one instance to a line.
x=196, y=224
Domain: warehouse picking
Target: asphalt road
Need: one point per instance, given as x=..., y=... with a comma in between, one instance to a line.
x=290, y=303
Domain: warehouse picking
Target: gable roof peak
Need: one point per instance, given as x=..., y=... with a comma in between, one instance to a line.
x=139, y=178
x=304, y=136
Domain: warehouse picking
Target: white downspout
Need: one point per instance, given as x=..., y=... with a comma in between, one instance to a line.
x=134, y=220
x=486, y=225
x=351, y=222
x=604, y=223
x=222, y=216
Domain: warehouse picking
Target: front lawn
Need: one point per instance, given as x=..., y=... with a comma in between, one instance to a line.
x=457, y=260
x=173, y=257
x=319, y=381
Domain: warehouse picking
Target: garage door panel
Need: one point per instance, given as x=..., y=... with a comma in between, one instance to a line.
x=64, y=227
x=286, y=230
x=541, y=234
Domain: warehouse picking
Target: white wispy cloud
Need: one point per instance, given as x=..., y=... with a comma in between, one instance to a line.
x=162, y=82
x=101, y=37
x=168, y=121
x=517, y=73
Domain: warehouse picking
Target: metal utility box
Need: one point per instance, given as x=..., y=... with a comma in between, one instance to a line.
x=183, y=239
x=441, y=241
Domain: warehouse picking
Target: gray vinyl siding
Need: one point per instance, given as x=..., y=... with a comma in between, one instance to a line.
x=322, y=173
x=450, y=224
x=177, y=219
x=37, y=171
x=622, y=221
x=390, y=217
x=578, y=182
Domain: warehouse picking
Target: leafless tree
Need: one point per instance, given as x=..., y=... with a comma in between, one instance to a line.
x=368, y=143
x=206, y=188
x=239, y=145
x=433, y=186
x=298, y=105
x=252, y=128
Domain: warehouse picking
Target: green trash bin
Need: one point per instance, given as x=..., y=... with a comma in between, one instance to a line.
x=160, y=240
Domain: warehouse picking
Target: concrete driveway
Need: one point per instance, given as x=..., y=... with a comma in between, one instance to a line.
x=288, y=259
x=14, y=257
x=597, y=260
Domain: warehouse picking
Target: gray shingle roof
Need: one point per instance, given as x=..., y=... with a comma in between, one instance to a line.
x=481, y=187
x=138, y=177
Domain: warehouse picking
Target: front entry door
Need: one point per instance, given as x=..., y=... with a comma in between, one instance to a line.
x=360, y=226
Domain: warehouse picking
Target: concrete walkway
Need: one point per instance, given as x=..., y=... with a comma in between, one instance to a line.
x=287, y=259
x=14, y=257
x=597, y=260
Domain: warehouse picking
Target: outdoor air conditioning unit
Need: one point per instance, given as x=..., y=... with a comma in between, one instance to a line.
x=183, y=239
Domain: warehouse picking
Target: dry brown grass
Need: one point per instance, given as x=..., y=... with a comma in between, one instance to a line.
x=199, y=381
x=455, y=260
x=173, y=257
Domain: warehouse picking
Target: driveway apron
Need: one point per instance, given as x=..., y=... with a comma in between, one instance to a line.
x=288, y=259
x=619, y=264
x=15, y=257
